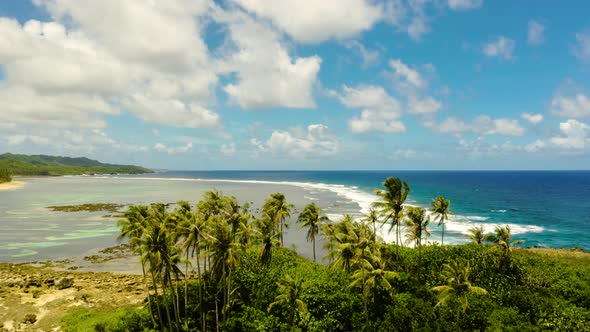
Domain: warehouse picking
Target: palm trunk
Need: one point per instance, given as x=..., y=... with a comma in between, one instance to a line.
x=186, y=291
x=201, y=285
x=442, y=240
x=315, y=261
x=282, y=245
x=147, y=291
x=156, y=293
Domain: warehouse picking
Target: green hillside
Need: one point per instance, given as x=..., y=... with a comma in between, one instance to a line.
x=18, y=164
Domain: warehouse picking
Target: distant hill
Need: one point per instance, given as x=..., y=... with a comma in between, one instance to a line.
x=20, y=164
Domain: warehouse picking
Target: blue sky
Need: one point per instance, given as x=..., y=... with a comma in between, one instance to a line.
x=336, y=84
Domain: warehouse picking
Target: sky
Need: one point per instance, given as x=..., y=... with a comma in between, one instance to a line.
x=302, y=85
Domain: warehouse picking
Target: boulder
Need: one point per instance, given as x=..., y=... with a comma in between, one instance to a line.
x=64, y=283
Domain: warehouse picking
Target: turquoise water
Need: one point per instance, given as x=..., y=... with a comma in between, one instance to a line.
x=547, y=209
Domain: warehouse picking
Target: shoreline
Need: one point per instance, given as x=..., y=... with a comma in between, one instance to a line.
x=11, y=185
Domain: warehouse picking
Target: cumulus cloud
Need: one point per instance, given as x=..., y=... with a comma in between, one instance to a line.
x=533, y=119
x=313, y=141
x=576, y=106
x=427, y=105
x=310, y=21
x=228, y=150
x=482, y=125
x=405, y=76
x=500, y=47
x=582, y=49
x=464, y=4
x=574, y=135
x=535, y=33
x=267, y=76
x=160, y=147
x=380, y=111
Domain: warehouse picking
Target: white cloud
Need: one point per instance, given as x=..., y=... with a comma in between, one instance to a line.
x=405, y=76
x=500, y=47
x=427, y=105
x=117, y=55
x=418, y=27
x=160, y=147
x=535, y=146
x=311, y=21
x=267, y=76
x=574, y=135
x=577, y=106
x=314, y=141
x=464, y=4
x=534, y=119
x=228, y=149
x=483, y=125
x=370, y=57
x=380, y=111
x=535, y=33
x=582, y=49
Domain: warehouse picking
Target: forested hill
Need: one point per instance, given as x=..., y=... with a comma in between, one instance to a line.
x=19, y=164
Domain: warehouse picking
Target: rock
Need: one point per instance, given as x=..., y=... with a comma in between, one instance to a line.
x=30, y=319
x=64, y=283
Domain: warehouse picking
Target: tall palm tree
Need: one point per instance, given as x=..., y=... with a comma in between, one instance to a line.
x=279, y=210
x=440, y=209
x=133, y=228
x=311, y=217
x=341, y=243
x=269, y=237
x=391, y=206
x=458, y=286
x=224, y=252
x=290, y=291
x=369, y=275
x=417, y=224
x=373, y=217
x=476, y=234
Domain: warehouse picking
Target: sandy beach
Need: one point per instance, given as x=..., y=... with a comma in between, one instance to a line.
x=11, y=185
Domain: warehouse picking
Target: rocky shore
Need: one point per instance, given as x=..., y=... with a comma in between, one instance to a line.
x=35, y=298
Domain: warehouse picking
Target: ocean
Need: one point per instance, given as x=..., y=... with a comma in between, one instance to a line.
x=544, y=208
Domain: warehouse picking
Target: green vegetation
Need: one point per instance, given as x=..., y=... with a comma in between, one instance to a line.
x=90, y=207
x=19, y=164
x=5, y=175
x=246, y=281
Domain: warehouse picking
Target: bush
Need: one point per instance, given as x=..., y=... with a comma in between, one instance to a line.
x=5, y=175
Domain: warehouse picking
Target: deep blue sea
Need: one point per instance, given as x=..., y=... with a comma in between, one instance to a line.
x=545, y=208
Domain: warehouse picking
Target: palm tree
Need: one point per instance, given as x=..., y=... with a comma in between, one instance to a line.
x=391, y=206
x=132, y=228
x=476, y=234
x=417, y=224
x=373, y=217
x=269, y=235
x=311, y=217
x=370, y=275
x=224, y=254
x=440, y=209
x=458, y=286
x=341, y=242
x=279, y=210
x=503, y=238
x=290, y=291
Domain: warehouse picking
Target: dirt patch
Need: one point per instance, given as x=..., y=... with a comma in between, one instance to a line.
x=27, y=290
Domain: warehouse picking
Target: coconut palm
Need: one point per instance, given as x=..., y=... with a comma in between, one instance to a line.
x=290, y=290
x=458, y=286
x=503, y=238
x=311, y=217
x=417, y=225
x=269, y=237
x=440, y=209
x=476, y=234
x=373, y=217
x=391, y=206
x=279, y=210
x=132, y=228
x=224, y=253
x=371, y=274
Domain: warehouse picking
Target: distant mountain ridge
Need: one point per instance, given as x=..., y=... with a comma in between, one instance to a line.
x=20, y=164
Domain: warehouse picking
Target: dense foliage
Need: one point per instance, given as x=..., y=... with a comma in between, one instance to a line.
x=244, y=280
x=5, y=175
x=51, y=165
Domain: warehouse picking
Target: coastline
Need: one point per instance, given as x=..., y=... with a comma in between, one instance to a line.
x=11, y=185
